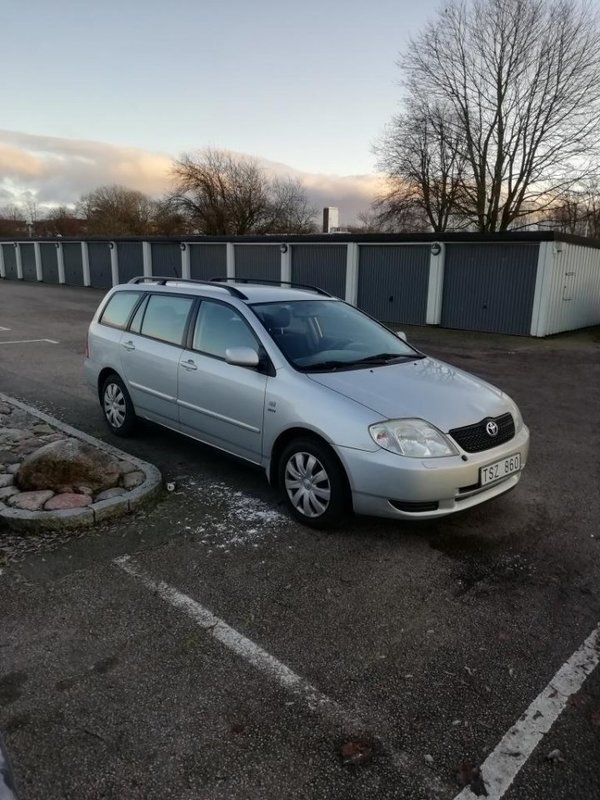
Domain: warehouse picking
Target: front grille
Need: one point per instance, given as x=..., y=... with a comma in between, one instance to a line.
x=475, y=438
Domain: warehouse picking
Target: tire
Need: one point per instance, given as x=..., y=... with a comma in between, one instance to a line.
x=117, y=407
x=321, y=503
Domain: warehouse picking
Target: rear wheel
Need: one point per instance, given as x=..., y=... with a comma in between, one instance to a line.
x=117, y=406
x=313, y=484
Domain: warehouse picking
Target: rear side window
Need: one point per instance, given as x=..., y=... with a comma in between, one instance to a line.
x=166, y=316
x=118, y=309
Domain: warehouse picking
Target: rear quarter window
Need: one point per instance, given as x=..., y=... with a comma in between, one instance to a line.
x=119, y=308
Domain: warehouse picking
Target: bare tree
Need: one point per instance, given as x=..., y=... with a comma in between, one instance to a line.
x=519, y=82
x=290, y=210
x=12, y=221
x=224, y=194
x=421, y=155
x=577, y=211
x=61, y=221
x=117, y=211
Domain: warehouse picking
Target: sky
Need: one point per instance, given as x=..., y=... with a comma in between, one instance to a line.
x=111, y=92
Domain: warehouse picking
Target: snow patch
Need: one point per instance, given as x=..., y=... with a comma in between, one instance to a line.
x=239, y=519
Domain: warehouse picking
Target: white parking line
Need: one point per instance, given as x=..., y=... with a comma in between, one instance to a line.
x=4, y=329
x=266, y=663
x=29, y=341
x=236, y=642
x=503, y=764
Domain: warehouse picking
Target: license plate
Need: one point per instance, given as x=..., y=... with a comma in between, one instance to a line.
x=500, y=469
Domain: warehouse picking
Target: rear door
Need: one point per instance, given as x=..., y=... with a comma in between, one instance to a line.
x=150, y=354
x=220, y=403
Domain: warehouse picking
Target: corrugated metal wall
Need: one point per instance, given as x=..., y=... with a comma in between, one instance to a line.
x=49, y=263
x=208, y=261
x=323, y=266
x=100, y=273
x=574, y=300
x=131, y=260
x=28, y=262
x=393, y=282
x=10, y=261
x=489, y=287
x=258, y=261
x=166, y=259
x=73, y=263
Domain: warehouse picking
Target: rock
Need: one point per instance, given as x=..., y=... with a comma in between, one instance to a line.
x=13, y=468
x=28, y=446
x=8, y=457
x=83, y=490
x=4, y=409
x=126, y=466
x=8, y=491
x=64, y=490
x=63, y=501
x=53, y=437
x=133, y=479
x=13, y=434
x=68, y=462
x=109, y=494
x=30, y=501
x=6, y=479
x=41, y=428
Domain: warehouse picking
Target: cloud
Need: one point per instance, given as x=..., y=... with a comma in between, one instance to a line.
x=58, y=171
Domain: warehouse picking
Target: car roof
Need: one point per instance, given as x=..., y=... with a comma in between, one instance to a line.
x=248, y=293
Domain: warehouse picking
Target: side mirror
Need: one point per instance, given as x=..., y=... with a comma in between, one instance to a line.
x=401, y=335
x=242, y=356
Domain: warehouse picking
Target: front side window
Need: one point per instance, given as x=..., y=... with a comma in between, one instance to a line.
x=329, y=334
x=219, y=327
x=119, y=308
x=165, y=317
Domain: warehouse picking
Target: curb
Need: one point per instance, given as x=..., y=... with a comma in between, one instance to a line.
x=95, y=513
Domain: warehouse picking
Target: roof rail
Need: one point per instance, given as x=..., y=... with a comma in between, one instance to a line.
x=161, y=280
x=316, y=289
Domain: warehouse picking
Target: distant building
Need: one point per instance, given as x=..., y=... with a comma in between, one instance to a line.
x=331, y=219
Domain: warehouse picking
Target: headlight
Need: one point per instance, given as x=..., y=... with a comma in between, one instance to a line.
x=414, y=438
x=518, y=419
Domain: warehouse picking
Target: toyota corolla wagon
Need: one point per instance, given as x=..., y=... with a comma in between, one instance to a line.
x=342, y=414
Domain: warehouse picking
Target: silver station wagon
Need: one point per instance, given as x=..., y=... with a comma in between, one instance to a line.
x=343, y=414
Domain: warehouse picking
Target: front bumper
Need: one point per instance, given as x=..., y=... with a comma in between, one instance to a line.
x=432, y=487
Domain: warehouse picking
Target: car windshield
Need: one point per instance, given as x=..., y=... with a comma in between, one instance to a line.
x=330, y=335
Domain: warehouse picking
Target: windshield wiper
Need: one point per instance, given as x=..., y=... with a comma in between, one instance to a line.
x=378, y=358
x=386, y=358
x=326, y=365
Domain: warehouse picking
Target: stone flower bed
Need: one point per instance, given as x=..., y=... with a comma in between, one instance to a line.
x=52, y=476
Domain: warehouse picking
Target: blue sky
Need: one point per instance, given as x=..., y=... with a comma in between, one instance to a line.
x=309, y=84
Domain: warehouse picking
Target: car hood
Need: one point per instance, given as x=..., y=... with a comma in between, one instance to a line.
x=426, y=388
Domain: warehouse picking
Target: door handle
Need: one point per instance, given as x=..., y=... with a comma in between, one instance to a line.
x=128, y=345
x=189, y=365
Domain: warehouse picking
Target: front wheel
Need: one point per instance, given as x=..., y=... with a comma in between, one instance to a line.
x=313, y=484
x=117, y=407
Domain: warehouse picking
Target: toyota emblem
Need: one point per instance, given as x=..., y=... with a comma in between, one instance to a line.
x=491, y=428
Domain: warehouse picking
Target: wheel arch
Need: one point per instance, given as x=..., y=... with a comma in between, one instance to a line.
x=103, y=375
x=287, y=436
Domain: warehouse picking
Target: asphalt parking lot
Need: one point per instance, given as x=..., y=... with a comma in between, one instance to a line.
x=212, y=648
